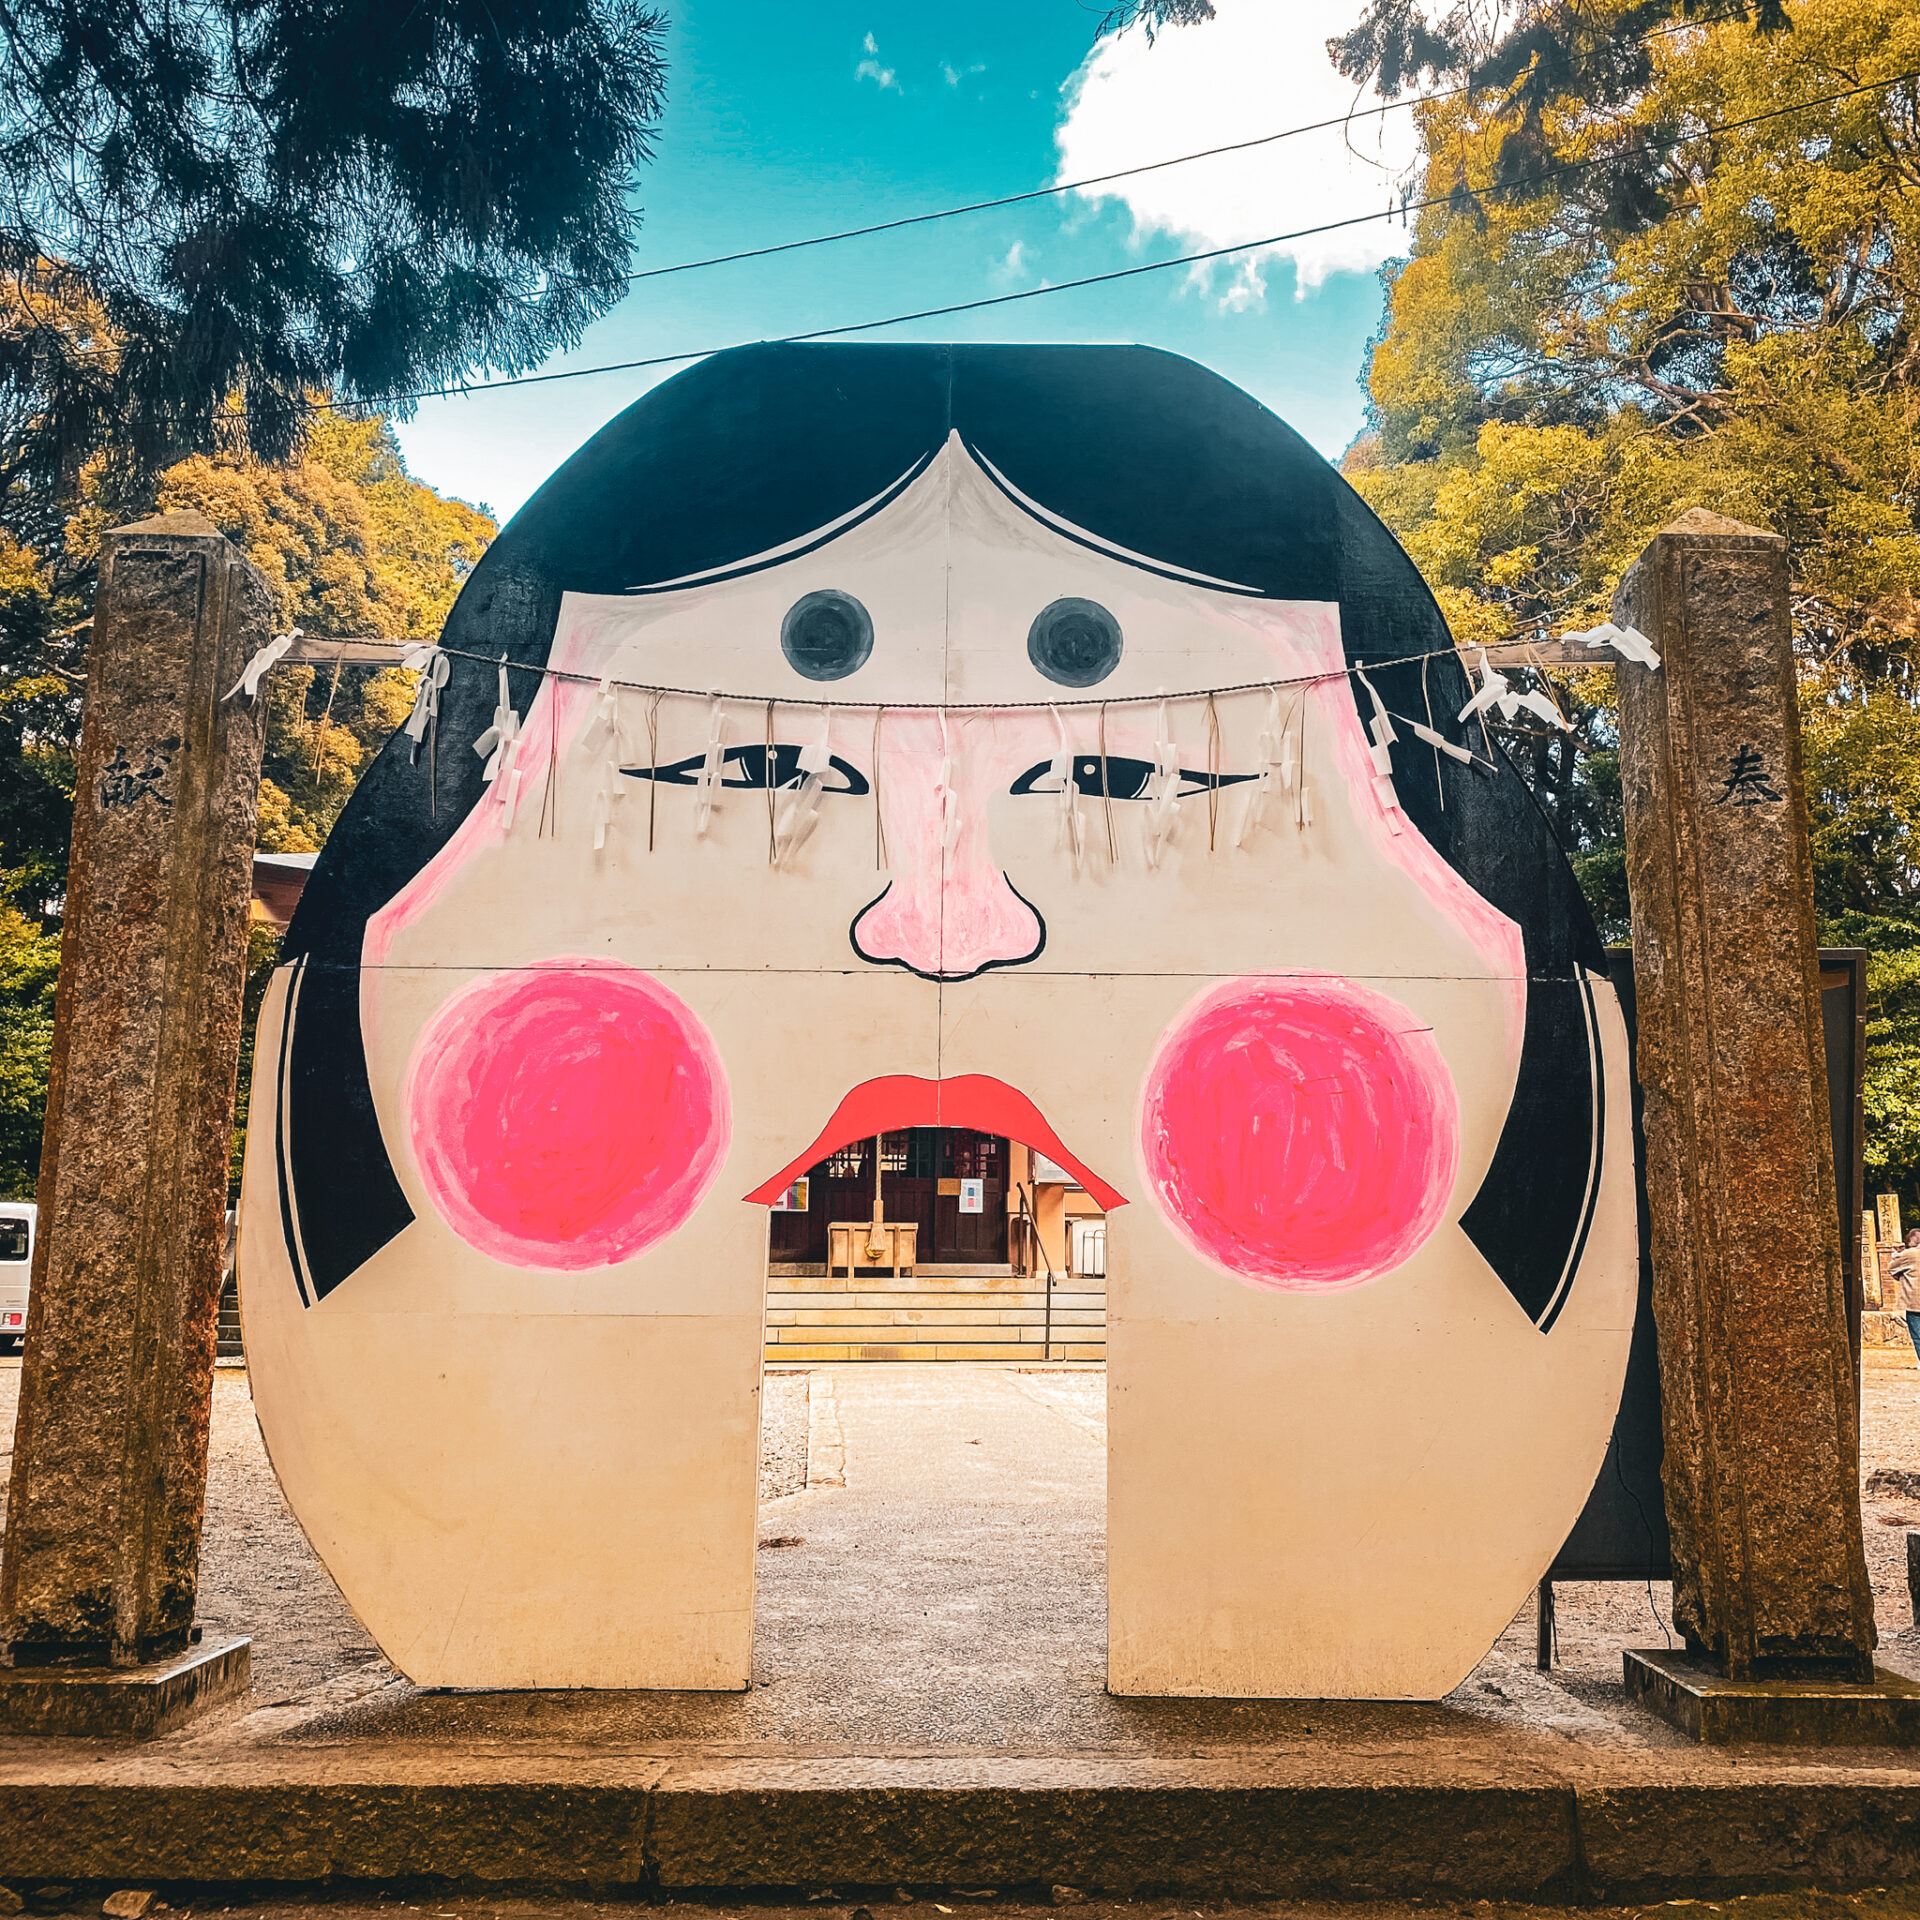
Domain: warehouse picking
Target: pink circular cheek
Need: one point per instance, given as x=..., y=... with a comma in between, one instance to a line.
x=566, y=1115
x=1303, y=1134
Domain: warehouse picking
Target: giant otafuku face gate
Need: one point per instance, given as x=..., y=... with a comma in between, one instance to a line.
x=958, y=745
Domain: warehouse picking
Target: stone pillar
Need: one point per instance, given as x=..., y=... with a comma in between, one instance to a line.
x=1757, y=1385
x=110, y=1454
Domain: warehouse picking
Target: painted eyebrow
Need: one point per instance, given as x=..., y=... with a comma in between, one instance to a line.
x=750, y=763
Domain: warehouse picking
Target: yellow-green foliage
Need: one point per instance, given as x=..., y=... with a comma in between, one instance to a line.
x=352, y=545
x=350, y=542
x=1561, y=375
x=1863, y=802
x=1567, y=383
x=29, y=962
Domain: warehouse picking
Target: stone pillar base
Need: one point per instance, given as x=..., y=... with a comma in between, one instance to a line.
x=125, y=1703
x=1687, y=1690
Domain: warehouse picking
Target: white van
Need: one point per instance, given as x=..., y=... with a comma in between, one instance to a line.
x=17, y=1219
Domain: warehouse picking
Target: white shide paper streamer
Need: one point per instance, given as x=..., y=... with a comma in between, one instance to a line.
x=255, y=669
x=602, y=736
x=499, y=747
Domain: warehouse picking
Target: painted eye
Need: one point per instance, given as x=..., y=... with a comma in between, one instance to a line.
x=826, y=635
x=1074, y=642
x=1120, y=779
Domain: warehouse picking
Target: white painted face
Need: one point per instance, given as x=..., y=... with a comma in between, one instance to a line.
x=1284, y=1055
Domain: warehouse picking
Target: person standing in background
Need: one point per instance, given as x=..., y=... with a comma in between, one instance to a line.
x=1903, y=1270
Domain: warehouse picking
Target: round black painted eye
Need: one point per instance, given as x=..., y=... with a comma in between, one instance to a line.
x=826, y=635
x=1074, y=642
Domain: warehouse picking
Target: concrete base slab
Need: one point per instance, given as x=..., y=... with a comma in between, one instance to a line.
x=125, y=1703
x=930, y=1709
x=1298, y=1824
x=1687, y=1691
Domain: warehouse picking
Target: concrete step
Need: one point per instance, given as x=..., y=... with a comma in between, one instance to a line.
x=991, y=1317
x=780, y=1272
x=1313, y=1822
x=926, y=1283
x=884, y=1328
x=229, y=1345
x=924, y=1316
x=806, y=1350
x=947, y=1293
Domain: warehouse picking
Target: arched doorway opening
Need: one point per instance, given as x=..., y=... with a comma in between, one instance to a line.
x=936, y=1243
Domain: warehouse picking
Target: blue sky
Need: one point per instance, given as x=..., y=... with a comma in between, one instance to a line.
x=784, y=122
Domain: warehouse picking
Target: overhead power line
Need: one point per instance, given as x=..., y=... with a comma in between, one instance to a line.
x=1459, y=196
x=1095, y=179
x=1004, y=200
x=1045, y=193
x=951, y=213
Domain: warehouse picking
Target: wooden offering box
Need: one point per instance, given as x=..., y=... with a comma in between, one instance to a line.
x=872, y=1243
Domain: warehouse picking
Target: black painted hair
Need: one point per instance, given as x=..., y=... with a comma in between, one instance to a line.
x=760, y=447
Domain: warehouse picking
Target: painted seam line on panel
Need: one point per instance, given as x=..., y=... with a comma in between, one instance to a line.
x=283, y=1161
x=1597, y=1070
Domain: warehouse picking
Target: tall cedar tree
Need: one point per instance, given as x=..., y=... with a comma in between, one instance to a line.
x=265, y=198
x=213, y=212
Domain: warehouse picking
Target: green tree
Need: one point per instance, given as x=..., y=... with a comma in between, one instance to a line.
x=1719, y=311
x=1537, y=55
x=352, y=545
x=268, y=197
x=39, y=725
x=1863, y=802
x=29, y=962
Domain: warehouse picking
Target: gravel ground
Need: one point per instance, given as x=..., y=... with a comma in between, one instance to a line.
x=783, y=1434
x=1890, y=1440
x=258, y=1574
x=1595, y=1621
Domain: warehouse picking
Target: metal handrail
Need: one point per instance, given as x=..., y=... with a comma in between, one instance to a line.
x=1032, y=1225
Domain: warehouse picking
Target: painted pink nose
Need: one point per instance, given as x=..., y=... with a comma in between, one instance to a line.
x=948, y=911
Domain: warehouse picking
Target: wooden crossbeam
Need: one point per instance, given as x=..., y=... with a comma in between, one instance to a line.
x=312, y=651
x=1542, y=653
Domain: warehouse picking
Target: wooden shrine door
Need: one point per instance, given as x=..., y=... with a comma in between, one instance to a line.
x=961, y=1235
x=839, y=1188
x=923, y=1171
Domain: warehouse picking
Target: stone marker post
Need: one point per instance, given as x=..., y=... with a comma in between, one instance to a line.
x=1756, y=1375
x=110, y=1455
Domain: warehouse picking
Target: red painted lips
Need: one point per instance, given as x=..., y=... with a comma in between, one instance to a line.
x=975, y=1100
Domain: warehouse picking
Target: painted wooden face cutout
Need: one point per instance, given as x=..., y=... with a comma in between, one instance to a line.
x=1343, y=1093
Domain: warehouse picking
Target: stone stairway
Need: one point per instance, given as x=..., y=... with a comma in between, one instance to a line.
x=943, y=1313
x=229, y=1347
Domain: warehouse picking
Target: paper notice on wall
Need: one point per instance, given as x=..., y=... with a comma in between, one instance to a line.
x=973, y=1196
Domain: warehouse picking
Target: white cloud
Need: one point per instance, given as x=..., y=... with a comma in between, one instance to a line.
x=1254, y=69
x=953, y=75
x=871, y=69
x=1013, y=268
